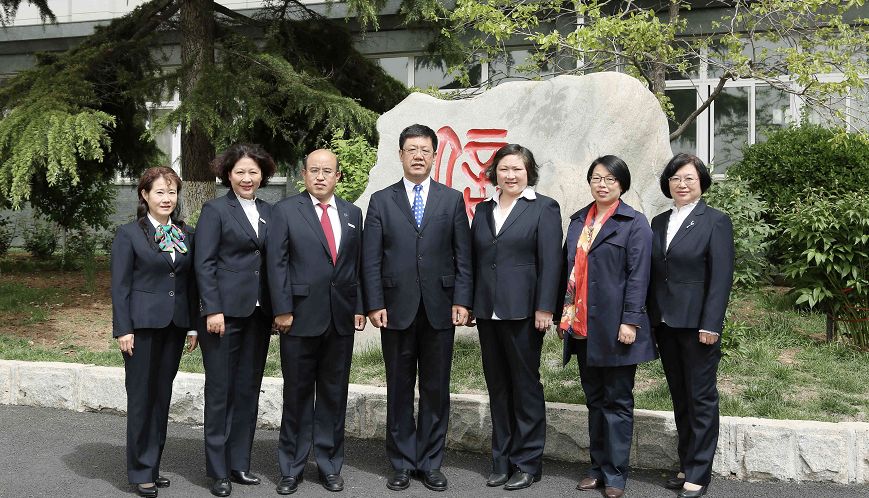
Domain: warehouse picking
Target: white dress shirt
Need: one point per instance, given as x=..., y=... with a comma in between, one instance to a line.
x=677, y=217
x=171, y=254
x=499, y=218
x=332, y=212
x=250, y=210
x=408, y=186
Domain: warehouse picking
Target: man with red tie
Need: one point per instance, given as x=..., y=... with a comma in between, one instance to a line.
x=314, y=254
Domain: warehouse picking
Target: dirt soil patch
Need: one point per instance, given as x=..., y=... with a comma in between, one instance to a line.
x=81, y=316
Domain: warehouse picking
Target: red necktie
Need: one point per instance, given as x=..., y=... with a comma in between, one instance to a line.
x=326, y=223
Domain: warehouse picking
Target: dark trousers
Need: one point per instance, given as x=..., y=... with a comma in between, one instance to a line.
x=417, y=445
x=234, y=367
x=609, y=397
x=691, y=369
x=511, y=363
x=321, y=365
x=149, y=375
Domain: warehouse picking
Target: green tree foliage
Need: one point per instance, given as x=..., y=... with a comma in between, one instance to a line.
x=356, y=157
x=794, y=159
x=781, y=42
x=8, y=9
x=826, y=235
x=79, y=117
x=751, y=231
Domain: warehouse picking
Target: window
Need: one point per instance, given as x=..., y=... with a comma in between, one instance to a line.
x=684, y=103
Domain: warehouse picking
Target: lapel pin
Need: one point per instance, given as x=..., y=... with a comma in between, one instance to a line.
x=262, y=221
x=351, y=225
x=690, y=224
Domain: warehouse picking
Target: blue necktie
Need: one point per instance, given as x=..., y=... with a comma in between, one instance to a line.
x=418, y=206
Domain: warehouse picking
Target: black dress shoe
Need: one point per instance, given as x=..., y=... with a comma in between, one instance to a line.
x=496, y=479
x=162, y=482
x=589, y=483
x=674, y=483
x=400, y=480
x=150, y=491
x=243, y=477
x=288, y=484
x=520, y=480
x=692, y=494
x=434, y=480
x=332, y=482
x=221, y=487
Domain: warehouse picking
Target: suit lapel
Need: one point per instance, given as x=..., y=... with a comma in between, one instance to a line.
x=306, y=208
x=690, y=222
x=609, y=228
x=488, y=215
x=517, y=211
x=152, y=232
x=262, y=209
x=240, y=216
x=399, y=195
x=431, y=203
x=662, y=234
x=343, y=219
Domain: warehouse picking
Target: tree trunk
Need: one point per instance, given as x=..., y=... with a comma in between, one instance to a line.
x=658, y=72
x=197, y=53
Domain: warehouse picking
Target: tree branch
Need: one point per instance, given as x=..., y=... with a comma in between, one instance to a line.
x=691, y=117
x=235, y=15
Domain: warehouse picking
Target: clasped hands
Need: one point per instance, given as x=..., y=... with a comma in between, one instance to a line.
x=462, y=316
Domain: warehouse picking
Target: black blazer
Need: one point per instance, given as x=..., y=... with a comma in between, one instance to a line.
x=403, y=263
x=149, y=291
x=302, y=278
x=691, y=280
x=516, y=272
x=618, y=280
x=231, y=265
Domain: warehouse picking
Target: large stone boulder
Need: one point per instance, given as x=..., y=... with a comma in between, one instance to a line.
x=566, y=121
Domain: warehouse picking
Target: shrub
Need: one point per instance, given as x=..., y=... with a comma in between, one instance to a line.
x=751, y=233
x=807, y=156
x=827, y=249
x=7, y=233
x=40, y=239
x=356, y=157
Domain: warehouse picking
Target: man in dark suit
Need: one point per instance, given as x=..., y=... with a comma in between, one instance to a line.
x=314, y=253
x=418, y=287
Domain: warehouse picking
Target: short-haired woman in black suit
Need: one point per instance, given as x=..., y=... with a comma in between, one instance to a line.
x=604, y=321
x=230, y=270
x=154, y=305
x=692, y=272
x=517, y=264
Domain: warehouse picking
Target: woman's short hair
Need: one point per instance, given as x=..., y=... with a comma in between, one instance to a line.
x=222, y=165
x=616, y=167
x=146, y=182
x=677, y=162
x=513, y=150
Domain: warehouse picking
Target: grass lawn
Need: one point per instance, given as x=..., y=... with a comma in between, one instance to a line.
x=776, y=365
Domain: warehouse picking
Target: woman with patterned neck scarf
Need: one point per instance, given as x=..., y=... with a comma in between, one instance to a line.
x=154, y=305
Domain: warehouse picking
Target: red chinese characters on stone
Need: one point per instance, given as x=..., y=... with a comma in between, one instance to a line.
x=451, y=152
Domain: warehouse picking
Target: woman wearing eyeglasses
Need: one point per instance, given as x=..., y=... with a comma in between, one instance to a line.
x=603, y=321
x=692, y=273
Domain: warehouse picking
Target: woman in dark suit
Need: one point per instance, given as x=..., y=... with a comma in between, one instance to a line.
x=154, y=304
x=604, y=322
x=516, y=236
x=230, y=270
x=692, y=272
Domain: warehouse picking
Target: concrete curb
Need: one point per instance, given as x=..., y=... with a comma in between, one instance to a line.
x=748, y=448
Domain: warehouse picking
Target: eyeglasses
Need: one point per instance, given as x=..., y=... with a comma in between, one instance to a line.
x=414, y=151
x=688, y=180
x=317, y=171
x=610, y=180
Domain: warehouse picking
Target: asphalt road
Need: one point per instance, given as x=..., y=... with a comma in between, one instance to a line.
x=46, y=452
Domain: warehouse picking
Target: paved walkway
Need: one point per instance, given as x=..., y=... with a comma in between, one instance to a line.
x=47, y=452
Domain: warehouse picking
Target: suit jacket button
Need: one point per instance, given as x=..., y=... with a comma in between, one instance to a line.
x=256, y=252
x=333, y=284
x=172, y=274
x=256, y=272
x=172, y=293
x=419, y=236
x=419, y=257
x=494, y=266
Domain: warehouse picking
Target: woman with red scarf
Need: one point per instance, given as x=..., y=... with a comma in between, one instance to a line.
x=604, y=321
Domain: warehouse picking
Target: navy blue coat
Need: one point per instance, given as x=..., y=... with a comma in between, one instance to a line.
x=619, y=262
x=691, y=280
x=231, y=262
x=402, y=264
x=516, y=272
x=149, y=291
x=302, y=278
